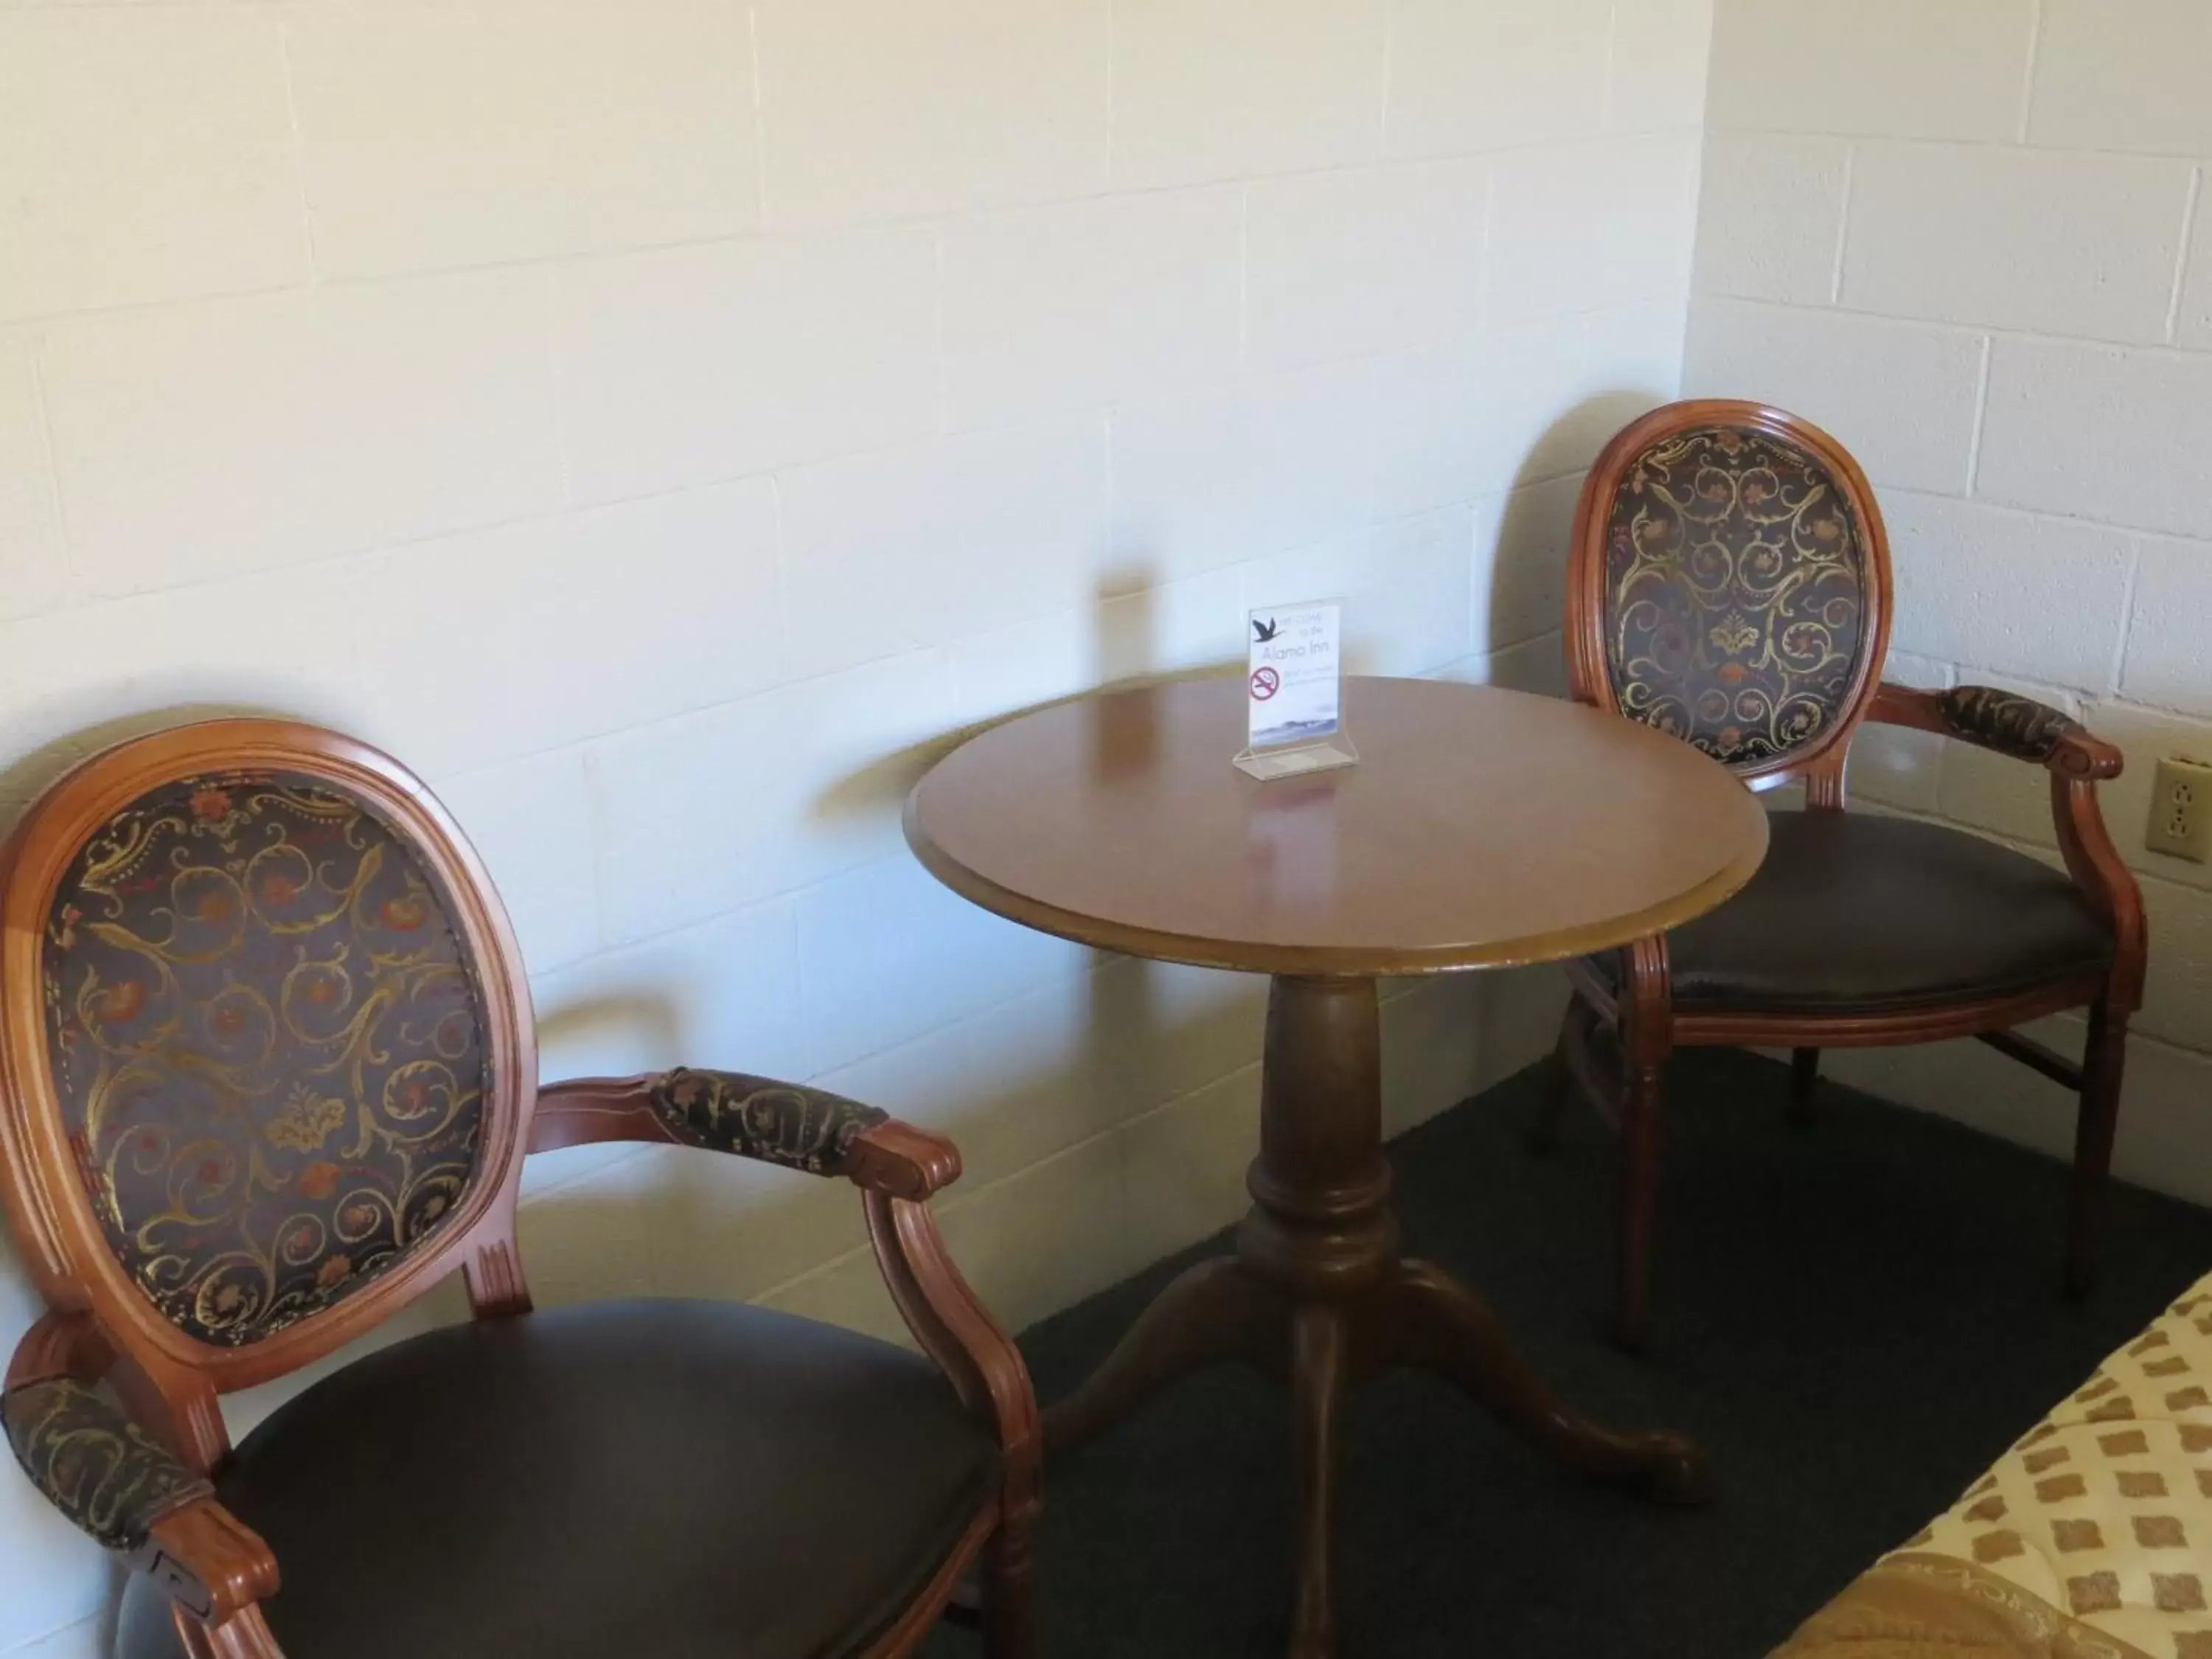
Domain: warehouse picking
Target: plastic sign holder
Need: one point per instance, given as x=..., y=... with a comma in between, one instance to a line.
x=1294, y=693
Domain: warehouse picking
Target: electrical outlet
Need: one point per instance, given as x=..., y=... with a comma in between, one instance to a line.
x=2181, y=810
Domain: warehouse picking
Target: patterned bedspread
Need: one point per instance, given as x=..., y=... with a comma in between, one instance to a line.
x=2091, y=1539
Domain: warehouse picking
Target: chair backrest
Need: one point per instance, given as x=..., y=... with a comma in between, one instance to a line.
x=1730, y=584
x=267, y=1053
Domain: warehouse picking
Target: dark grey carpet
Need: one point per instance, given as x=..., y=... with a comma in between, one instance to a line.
x=1854, y=1319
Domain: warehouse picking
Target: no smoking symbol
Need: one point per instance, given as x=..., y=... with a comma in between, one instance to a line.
x=1266, y=683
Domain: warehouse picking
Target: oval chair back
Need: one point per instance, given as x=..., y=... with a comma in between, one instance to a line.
x=1730, y=584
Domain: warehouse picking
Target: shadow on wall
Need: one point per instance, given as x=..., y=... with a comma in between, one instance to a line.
x=1047, y=1132
x=1520, y=630
x=1127, y=1079
x=1518, y=617
x=1123, y=654
x=1117, y=1069
x=1101, y=1086
x=579, y=1025
x=1122, y=1076
x=23, y=779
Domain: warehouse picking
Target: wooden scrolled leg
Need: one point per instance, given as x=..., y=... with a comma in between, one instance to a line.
x=1320, y=1381
x=1804, y=1082
x=1647, y=1038
x=1559, y=1084
x=1428, y=1320
x=1009, y=1599
x=2103, y=1067
x=1212, y=1313
x=1639, y=1203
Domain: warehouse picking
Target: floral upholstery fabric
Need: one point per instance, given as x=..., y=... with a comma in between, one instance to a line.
x=2092, y=1539
x=755, y=1117
x=100, y=1469
x=1735, y=594
x=266, y=1040
x=2006, y=721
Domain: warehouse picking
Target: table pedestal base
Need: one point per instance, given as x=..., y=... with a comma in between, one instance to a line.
x=1318, y=1297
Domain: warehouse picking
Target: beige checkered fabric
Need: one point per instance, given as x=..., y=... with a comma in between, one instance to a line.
x=2105, y=1510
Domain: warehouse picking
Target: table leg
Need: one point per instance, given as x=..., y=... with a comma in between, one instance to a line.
x=1427, y=1319
x=1321, y=1377
x=1318, y=1294
x=1210, y=1313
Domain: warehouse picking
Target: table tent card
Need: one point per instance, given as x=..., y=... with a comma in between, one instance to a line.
x=1294, y=692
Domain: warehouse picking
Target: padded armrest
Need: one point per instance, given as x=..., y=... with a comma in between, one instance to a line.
x=94, y=1464
x=2004, y=722
x=786, y=1124
x=755, y=1117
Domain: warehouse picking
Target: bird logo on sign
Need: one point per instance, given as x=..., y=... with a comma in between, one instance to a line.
x=1265, y=630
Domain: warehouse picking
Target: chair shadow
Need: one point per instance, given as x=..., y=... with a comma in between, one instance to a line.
x=1521, y=639
x=1123, y=997
x=23, y=779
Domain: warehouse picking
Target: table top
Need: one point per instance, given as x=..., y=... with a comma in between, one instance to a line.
x=1481, y=828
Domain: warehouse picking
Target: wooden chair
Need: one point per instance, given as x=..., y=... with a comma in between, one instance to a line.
x=1730, y=584
x=269, y=1075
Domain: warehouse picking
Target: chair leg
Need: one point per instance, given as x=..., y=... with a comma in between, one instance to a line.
x=1009, y=1612
x=1804, y=1079
x=1558, y=1083
x=2103, y=1064
x=1641, y=1091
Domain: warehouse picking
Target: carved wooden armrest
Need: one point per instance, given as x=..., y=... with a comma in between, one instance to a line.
x=953, y=1327
x=785, y=1124
x=2030, y=731
x=2005, y=723
x=131, y=1494
x=897, y=1165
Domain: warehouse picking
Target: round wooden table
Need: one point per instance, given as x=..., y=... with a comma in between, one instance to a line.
x=1481, y=828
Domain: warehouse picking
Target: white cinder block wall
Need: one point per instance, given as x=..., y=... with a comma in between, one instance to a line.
x=661, y=421
x=1970, y=237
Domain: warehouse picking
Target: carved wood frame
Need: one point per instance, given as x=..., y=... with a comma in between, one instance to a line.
x=215, y=1569
x=53, y=1218
x=1639, y=1012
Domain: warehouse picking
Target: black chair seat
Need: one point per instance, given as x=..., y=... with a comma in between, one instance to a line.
x=671, y=1480
x=1857, y=914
